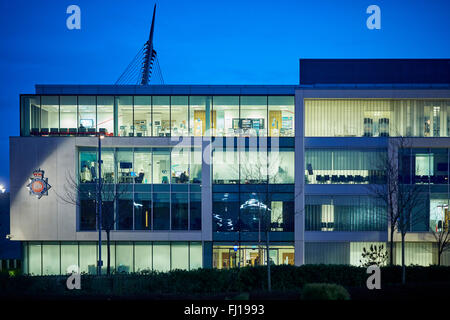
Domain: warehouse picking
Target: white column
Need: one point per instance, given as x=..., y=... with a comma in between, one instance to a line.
x=299, y=219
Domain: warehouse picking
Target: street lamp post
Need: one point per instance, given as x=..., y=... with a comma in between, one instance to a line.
x=99, y=204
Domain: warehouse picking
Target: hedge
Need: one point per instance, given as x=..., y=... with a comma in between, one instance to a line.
x=213, y=281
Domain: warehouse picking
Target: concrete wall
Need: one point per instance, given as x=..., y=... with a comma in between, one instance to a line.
x=47, y=218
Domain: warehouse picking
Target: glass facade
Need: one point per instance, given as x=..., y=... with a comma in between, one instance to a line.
x=253, y=211
x=57, y=258
x=344, y=166
x=225, y=257
x=138, y=194
x=429, y=168
x=253, y=165
x=159, y=116
x=344, y=213
x=142, y=165
x=377, y=118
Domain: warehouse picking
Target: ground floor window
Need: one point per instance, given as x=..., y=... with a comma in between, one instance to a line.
x=54, y=258
x=232, y=256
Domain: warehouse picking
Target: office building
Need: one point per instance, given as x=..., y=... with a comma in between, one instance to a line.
x=194, y=175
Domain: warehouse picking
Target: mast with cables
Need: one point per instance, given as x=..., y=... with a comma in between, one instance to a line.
x=144, y=65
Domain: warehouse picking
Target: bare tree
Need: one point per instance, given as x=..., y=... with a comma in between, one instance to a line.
x=401, y=199
x=263, y=171
x=441, y=234
x=74, y=193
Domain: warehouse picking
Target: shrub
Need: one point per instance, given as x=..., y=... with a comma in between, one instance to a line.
x=324, y=291
x=285, y=278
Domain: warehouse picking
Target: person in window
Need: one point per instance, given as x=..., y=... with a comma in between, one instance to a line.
x=184, y=177
x=85, y=174
x=93, y=172
x=427, y=128
x=140, y=177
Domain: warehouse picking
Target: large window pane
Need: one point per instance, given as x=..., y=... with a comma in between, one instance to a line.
x=344, y=213
x=105, y=114
x=87, y=166
x=161, y=211
x=126, y=173
x=161, y=256
x=195, y=166
x=161, y=165
x=142, y=256
x=253, y=116
x=180, y=256
x=124, y=257
x=50, y=112
x=344, y=166
x=281, y=116
x=86, y=113
x=195, y=255
x=179, y=115
x=125, y=212
x=200, y=113
x=108, y=171
x=143, y=166
x=108, y=209
x=179, y=211
x=142, y=116
x=439, y=212
x=376, y=117
x=112, y=263
x=125, y=113
x=161, y=116
x=440, y=166
x=180, y=164
x=226, y=110
x=68, y=113
x=225, y=166
x=253, y=166
x=142, y=211
x=422, y=164
x=69, y=256
x=35, y=258
x=281, y=213
x=225, y=212
x=88, y=217
x=281, y=166
x=254, y=213
x=88, y=257
x=50, y=258
x=195, y=211
x=30, y=119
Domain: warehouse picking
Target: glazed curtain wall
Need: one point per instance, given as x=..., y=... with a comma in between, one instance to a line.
x=344, y=213
x=54, y=258
x=416, y=253
x=159, y=116
x=225, y=257
x=377, y=117
x=178, y=165
x=144, y=188
x=324, y=166
x=253, y=211
x=253, y=165
x=429, y=168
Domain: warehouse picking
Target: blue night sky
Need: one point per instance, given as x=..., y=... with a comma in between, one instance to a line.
x=200, y=42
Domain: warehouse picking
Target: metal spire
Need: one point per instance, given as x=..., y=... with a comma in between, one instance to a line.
x=149, y=54
x=140, y=70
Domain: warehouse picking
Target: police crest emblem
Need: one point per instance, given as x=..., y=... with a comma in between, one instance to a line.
x=38, y=185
